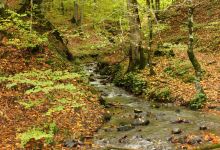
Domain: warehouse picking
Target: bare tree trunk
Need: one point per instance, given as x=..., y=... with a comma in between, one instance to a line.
x=190, y=51
x=157, y=4
x=62, y=8
x=2, y=7
x=135, y=52
x=77, y=14
x=150, y=38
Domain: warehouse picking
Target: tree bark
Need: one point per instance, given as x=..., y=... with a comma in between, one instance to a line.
x=150, y=38
x=190, y=51
x=136, y=55
x=157, y=4
x=76, y=19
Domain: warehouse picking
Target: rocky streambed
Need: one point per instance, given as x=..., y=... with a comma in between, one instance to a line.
x=137, y=124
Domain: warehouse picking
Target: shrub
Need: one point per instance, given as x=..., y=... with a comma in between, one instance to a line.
x=37, y=134
x=19, y=32
x=132, y=82
x=198, y=101
x=160, y=95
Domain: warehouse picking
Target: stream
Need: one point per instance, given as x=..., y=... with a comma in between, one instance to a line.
x=137, y=124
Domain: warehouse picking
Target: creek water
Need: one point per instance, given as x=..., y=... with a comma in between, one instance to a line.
x=139, y=124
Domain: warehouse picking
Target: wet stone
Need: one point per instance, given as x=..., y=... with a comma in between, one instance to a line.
x=177, y=110
x=92, y=78
x=104, y=94
x=102, y=101
x=203, y=127
x=137, y=111
x=140, y=122
x=70, y=143
x=176, y=131
x=195, y=140
x=179, y=121
x=125, y=127
x=108, y=129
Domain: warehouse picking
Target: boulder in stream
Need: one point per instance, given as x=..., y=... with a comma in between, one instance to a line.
x=140, y=122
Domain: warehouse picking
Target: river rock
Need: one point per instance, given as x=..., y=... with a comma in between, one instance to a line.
x=137, y=111
x=102, y=101
x=140, y=122
x=107, y=116
x=70, y=143
x=194, y=140
x=104, y=82
x=92, y=78
x=104, y=94
x=176, y=131
x=177, y=110
x=125, y=127
x=179, y=121
x=203, y=127
x=108, y=129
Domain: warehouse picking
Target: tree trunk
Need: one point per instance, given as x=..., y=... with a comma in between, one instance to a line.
x=190, y=51
x=136, y=54
x=157, y=3
x=76, y=19
x=150, y=38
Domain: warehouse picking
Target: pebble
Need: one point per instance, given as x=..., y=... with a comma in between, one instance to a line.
x=70, y=143
x=137, y=111
x=176, y=131
x=203, y=127
x=140, y=122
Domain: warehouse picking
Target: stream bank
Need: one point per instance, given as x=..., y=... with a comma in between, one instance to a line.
x=139, y=124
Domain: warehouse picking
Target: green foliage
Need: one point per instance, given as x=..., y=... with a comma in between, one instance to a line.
x=42, y=81
x=53, y=129
x=30, y=104
x=19, y=32
x=160, y=94
x=133, y=82
x=37, y=134
x=54, y=109
x=163, y=94
x=160, y=27
x=198, y=101
x=181, y=69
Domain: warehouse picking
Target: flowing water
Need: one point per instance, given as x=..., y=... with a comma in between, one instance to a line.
x=160, y=122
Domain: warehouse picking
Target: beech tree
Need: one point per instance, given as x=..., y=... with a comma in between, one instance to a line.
x=77, y=14
x=136, y=54
x=150, y=37
x=190, y=51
